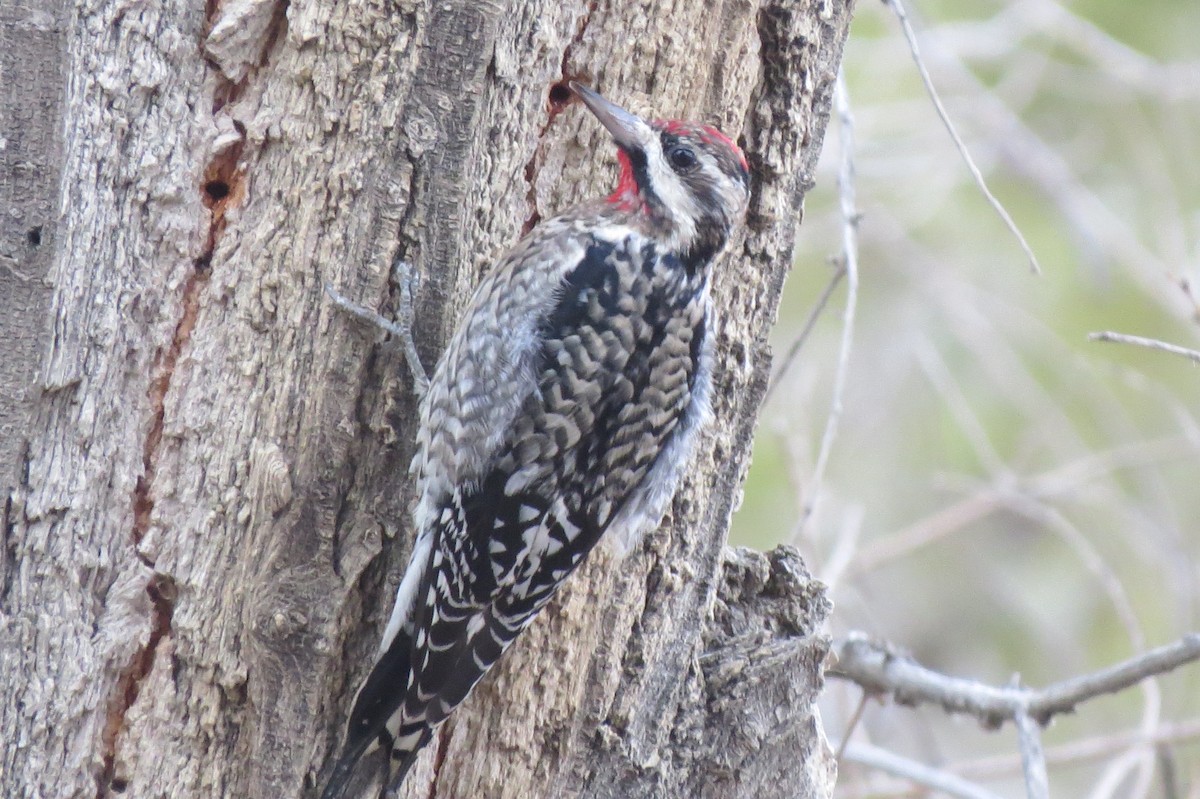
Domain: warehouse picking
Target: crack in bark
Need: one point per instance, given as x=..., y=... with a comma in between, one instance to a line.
x=228, y=90
x=577, y=39
x=161, y=589
x=143, y=505
x=558, y=98
x=224, y=186
x=439, y=758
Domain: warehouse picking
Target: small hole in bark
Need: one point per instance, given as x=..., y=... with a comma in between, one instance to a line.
x=560, y=94
x=119, y=785
x=34, y=236
x=216, y=190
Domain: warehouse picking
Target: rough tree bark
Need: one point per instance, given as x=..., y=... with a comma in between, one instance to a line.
x=206, y=479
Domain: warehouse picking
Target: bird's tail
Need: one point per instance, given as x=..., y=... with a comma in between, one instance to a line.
x=407, y=744
x=376, y=714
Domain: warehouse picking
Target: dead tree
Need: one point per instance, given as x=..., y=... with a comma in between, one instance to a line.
x=205, y=464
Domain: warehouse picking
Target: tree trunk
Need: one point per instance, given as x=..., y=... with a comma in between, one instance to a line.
x=208, y=502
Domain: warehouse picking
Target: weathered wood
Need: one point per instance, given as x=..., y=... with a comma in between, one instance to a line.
x=214, y=513
x=32, y=36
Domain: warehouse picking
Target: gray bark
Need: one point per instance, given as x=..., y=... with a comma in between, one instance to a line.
x=211, y=507
x=31, y=88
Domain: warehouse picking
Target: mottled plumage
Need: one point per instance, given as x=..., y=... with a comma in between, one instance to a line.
x=562, y=410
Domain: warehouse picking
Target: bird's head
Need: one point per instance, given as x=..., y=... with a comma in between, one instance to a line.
x=691, y=180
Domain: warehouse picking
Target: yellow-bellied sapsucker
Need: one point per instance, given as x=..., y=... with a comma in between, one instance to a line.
x=563, y=409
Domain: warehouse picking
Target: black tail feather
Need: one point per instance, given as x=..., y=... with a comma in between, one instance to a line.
x=343, y=770
x=377, y=700
x=405, y=763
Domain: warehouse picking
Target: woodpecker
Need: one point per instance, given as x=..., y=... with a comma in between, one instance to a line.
x=563, y=409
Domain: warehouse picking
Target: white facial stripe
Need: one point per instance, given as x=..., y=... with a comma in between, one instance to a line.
x=673, y=194
x=733, y=195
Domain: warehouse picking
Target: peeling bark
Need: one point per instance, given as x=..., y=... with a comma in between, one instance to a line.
x=207, y=500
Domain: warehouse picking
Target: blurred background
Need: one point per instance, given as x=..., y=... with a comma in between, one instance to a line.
x=1004, y=496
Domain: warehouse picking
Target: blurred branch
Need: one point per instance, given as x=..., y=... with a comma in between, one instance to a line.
x=1100, y=747
x=998, y=495
x=1033, y=757
x=881, y=668
x=997, y=37
x=898, y=9
x=850, y=216
x=1050, y=518
x=1169, y=770
x=1109, y=233
x=1148, y=343
x=914, y=771
x=809, y=323
x=852, y=726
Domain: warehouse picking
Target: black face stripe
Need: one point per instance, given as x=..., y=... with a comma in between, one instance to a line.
x=733, y=167
x=641, y=175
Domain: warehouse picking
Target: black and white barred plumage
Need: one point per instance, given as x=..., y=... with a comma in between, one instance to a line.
x=562, y=410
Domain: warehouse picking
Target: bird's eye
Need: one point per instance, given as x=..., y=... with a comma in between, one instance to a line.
x=682, y=158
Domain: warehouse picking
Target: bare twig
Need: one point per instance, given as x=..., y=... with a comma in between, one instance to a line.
x=1053, y=520
x=1100, y=747
x=883, y=669
x=1114, y=780
x=982, y=503
x=794, y=348
x=1065, y=28
x=910, y=35
x=1044, y=166
x=1033, y=758
x=1169, y=770
x=1149, y=343
x=854, y=720
x=844, y=548
x=925, y=531
x=969, y=423
x=891, y=763
x=850, y=263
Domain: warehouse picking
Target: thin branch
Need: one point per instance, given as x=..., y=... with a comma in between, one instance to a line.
x=852, y=726
x=1053, y=482
x=809, y=323
x=882, y=668
x=1148, y=343
x=1033, y=757
x=925, y=531
x=1100, y=747
x=849, y=211
x=955, y=399
x=910, y=35
x=1055, y=521
x=844, y=548
x=1064, y=28
x=1169, y=770
x=891, y=763
x=1062, y=697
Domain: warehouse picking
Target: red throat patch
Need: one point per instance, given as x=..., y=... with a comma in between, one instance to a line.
x=625, y=195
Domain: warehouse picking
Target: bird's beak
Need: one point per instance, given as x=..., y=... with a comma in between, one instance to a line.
x=629, y=131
